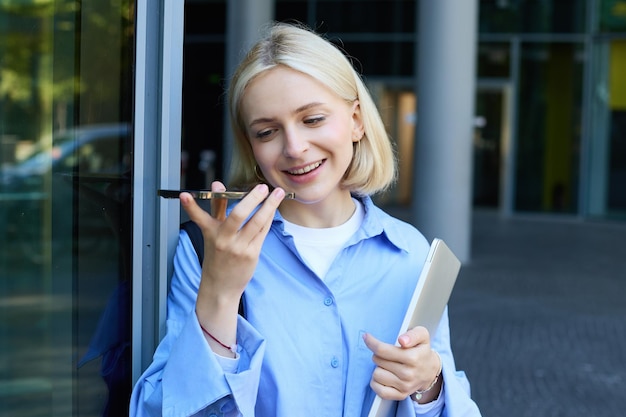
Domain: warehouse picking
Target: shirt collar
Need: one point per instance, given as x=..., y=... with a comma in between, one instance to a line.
x=375, y=223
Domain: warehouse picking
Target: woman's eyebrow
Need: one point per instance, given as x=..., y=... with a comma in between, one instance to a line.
x=307, y=107
x=296, y=111
x=260, y=120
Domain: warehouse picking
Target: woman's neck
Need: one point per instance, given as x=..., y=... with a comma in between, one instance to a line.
x=323, y=214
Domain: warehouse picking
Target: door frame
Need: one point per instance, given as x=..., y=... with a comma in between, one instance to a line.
x=156, y=164
x=507, y=139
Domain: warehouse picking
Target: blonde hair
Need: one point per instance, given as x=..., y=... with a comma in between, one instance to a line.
x=373, y=166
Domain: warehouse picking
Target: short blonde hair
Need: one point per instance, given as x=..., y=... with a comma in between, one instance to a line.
x=373, y=167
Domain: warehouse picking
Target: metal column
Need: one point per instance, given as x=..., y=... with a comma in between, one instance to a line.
x=446, y=53
x=245, y=19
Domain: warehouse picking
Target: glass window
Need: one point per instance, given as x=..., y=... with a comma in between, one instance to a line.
x=617, y=164
x=368, y=16
x=202, y=115
x=381, y=58
x=548, y=137
x=398, y=109
x=612, y=15
x=287, y=10
x=204, y=84
x=493, y=60
x=489, y=140
x=532, y=16
x=607, y=153
x=205, y=17
x=65, y=153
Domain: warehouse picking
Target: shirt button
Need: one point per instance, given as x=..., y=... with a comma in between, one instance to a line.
x=328, y=301
x=334, y=362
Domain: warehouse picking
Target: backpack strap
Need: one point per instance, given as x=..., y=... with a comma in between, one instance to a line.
x=197, y=240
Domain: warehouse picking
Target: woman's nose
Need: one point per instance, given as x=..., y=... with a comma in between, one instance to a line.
x=294, y=144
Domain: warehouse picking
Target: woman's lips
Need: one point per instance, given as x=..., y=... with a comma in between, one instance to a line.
x=306, y=169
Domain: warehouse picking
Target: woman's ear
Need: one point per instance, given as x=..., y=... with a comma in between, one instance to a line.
x=358, y=128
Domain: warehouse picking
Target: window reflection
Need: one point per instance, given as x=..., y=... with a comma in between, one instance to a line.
x=612, y=15
x=493, y=60
x=531, y=16
x=65, y=155
x=548, y=147
x=607, y=167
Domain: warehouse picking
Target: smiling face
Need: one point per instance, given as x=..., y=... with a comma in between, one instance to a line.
x=301, y=134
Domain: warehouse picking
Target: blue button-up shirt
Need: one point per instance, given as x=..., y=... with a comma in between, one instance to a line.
x=301, y=344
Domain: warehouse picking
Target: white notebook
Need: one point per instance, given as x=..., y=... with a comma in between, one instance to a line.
x=429, y=300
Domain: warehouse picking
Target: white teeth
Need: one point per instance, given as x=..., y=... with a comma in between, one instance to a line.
x=306, y=169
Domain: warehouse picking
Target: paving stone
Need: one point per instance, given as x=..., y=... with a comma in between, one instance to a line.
x=538, y=317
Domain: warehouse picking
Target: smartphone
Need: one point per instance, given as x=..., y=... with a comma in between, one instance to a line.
x=219, y=199
x=209, y=195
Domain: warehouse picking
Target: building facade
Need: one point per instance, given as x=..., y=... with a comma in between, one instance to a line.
x=104, y=102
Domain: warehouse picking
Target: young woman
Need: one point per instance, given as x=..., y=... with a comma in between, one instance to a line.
x=327, y=275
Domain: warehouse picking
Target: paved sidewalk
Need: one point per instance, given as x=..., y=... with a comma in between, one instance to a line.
x=538, y=317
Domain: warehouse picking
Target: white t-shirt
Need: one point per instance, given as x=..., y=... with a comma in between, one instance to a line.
x=319, y=247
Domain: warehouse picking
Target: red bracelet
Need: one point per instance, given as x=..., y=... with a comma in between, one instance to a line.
x=232, y=348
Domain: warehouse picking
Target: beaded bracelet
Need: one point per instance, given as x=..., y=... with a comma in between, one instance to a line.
x=419, y=393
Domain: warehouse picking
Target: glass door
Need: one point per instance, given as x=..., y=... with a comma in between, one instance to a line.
x=492, y=142
x=492, y=145
x=65, y=169
x=606, y=149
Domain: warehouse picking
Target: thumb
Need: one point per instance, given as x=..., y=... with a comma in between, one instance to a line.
x=196, y=213
x=413, y=337
x=405, y=341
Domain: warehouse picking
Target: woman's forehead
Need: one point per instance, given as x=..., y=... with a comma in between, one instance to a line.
x=284, y=89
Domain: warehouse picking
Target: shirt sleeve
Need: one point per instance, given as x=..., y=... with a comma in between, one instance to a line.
x=205, y=388
x=455, y=397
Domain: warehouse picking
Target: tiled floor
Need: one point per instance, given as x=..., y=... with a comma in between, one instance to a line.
x=539, y=317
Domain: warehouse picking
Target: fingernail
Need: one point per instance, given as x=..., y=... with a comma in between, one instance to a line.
x=262, y=188
x=279, y=193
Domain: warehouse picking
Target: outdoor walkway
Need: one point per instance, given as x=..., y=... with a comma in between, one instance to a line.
x=538, y=317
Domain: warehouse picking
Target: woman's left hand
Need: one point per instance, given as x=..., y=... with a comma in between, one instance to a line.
x=403, y=370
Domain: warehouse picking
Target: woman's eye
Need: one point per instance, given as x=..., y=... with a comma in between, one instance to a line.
x=263, y=134
x=314, y=120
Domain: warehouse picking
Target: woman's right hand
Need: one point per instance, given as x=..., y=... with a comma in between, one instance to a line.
x=231, y=253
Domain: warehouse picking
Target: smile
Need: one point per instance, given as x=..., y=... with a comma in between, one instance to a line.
x=306, y=169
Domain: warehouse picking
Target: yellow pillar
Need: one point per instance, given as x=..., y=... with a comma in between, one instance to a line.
x=617, y=75
x=560, y=100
